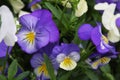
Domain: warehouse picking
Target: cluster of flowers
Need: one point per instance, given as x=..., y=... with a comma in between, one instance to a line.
x=39, y=34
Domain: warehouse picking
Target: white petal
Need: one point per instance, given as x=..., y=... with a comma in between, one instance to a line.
x=108, y=16
x=74, y=56
x=17, y=5
x=113, y=37
x=101, y=6
x=8, y=27
x=68, y=5
x=60, y=57
x=81, y=8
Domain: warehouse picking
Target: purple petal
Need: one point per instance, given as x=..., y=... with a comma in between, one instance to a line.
x=28, y=21
x=96, y=36
x=118, y=22
x=84, y=31
x=37, y=60
x=42, y=38
x=42, y=14
x=3, y=49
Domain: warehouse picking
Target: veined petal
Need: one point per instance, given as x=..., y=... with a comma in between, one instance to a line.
x=25, y=42
x=3, y=49
x=81, y=8
x=8, y=26
x=95, y=64
x=101, y=6
x=42, y=70
x=28, y=21
x=108, y=16
x=68, y=64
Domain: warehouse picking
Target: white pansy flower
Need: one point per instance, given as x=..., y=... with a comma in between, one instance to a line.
x=81, y=8
x=8, y=27
x=109, y=20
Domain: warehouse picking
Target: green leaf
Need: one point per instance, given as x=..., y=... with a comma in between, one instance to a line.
x=12, y=70
x=91, y=75
x=109, y=76
x=65, y=76
x=105, y=69
x=57, y=13
x=2, y=77
x=22, y=75
x=50, y=68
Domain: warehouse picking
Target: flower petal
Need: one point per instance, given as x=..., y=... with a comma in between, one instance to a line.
x=101, y=6
x=68, y=64
x=8, y=27
x=84, y=31
x=81, y=8
x=108, y=16
x=74, y=56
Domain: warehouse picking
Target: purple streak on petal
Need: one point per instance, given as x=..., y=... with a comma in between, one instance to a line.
x=84, y=31
x=118, y=22
x=33, y=2
x=28, y=21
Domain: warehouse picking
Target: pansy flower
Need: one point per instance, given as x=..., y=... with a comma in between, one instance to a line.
x=7, y=27
x=40, y=69
x=67, y=55
x=109, y=20
x=38, y=29
x=100, y=41
x=97, y=59
x=34, y=5
x=87, y=32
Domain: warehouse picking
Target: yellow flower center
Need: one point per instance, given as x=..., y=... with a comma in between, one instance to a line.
x=105, y=39
x=43, y=69
x=30, y=37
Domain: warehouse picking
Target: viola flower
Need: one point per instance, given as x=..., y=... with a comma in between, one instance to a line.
x=34, y=5
x=117, y=2
x=8, y=27
x=38, y=29
x=100, y=41
x=109, y=20
x=37, y=62
x=67, y=55
x=97, y=59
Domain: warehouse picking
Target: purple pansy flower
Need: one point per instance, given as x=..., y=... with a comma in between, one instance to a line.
x=100, y=41
x=38, y=29
x=37, y=62
x=117, y=2
x=87, y=32
x=67, y=55
x=97, y=59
